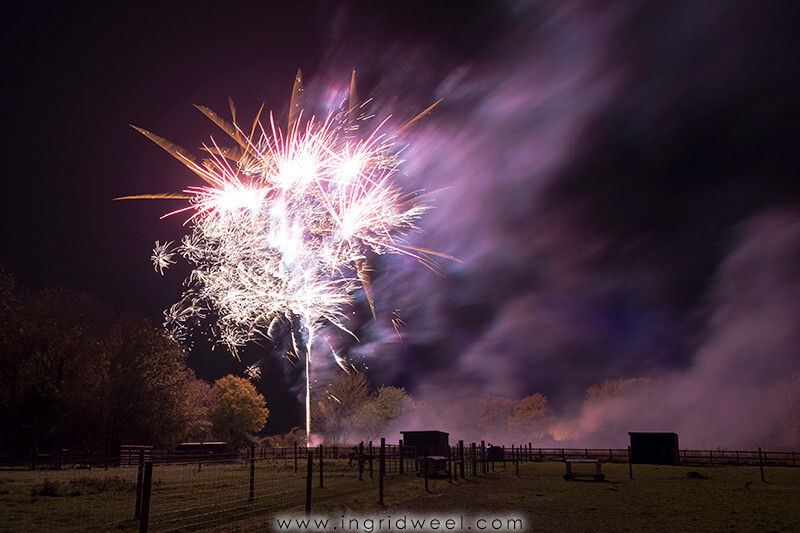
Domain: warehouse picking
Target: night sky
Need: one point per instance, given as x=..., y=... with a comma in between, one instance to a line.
x=618, y=179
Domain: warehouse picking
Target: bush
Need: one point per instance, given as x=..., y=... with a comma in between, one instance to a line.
x=84, y=485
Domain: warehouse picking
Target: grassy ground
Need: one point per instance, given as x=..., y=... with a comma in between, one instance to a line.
x=658, y=499
x=216, y=498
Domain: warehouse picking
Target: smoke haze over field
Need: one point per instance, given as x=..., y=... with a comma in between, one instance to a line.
x=608, y=180
x=743, y=386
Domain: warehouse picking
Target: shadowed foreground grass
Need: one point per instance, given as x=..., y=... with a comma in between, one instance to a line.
x=660, y=498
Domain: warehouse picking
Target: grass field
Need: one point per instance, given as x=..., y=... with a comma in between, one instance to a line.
x=216, y=498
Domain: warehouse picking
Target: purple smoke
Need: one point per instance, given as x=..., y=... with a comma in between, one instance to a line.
x=595, y=163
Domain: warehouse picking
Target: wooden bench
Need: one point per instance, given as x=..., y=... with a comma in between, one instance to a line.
x=597, y=475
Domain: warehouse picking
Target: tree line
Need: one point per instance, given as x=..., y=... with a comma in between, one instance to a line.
x=347, y=410
x=75, y=375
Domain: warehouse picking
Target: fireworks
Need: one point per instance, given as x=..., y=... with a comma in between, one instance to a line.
x=283, y=229
x=162, y=257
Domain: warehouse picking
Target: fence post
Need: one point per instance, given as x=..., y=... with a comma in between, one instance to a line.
x=144, y=517
x=473, y=458
x=461, y=457
x=761, y=463
x=321, y=455
x=402, y=456
x=370, y=459
x=630, y=463
x=252, y=473
x=361, y=460
x=381, y=470
x=309, y=475
x=483, y=457
x=449, y=465
x=711, y=457
x=139, y=482
x=425, y=466
x=295, y=457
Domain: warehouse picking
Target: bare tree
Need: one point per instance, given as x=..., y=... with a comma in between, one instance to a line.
x=386, y=406
x=614, y=388
x=530, y=417
x=336, y=407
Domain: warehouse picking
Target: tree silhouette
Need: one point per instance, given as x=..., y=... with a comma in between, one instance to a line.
x=72, y=375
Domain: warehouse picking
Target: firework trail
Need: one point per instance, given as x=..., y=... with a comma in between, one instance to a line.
x=283, y=229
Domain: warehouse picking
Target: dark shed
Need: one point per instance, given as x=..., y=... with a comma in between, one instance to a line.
x=427, y=442
x=650, y=448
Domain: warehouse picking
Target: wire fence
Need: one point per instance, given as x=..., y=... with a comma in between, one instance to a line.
x=220, y=492
x=152, y=490
x=290, y=456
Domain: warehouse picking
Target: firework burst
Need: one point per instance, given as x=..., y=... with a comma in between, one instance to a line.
x=285, y=224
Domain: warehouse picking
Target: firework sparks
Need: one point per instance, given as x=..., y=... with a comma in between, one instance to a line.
x=253, y=372
x=162, y=257
x=282, y=228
